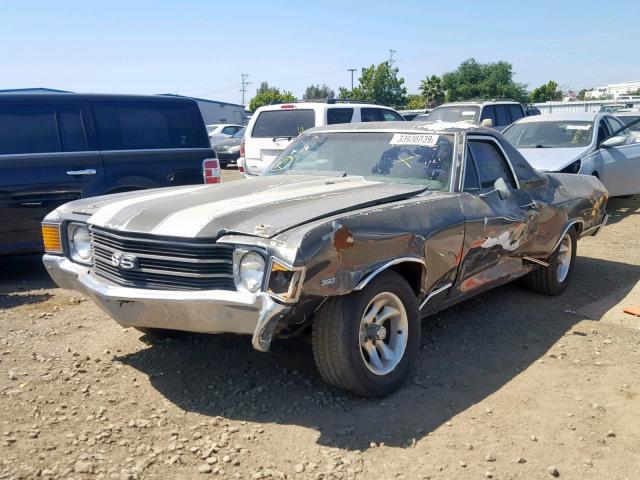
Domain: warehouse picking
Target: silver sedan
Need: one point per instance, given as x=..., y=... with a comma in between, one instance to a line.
x=587, y=143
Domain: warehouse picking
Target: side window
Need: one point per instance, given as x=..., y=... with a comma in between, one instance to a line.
x=603, y=131
x=137, y=126
x=28, y=129
x=339, y=115
x=71, y=127
x=391, y=116
x=229, y=130
x=515, y=113
x=488, y=112
x=491, y=163
x=615, y=124
x=371, y=115
x=501, y=115
x=471, y=182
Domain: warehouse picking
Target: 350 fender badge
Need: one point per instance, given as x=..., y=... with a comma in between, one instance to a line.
x=328, y=281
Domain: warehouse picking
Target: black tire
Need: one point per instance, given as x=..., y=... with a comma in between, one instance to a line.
x=545, y=279
x=336, y=339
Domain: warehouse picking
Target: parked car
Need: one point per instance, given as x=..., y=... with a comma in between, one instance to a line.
x=222, y=131
x=579, y=142
x=488, y=113
x=410, y=115
x=228, y=151
x=354, y=232
x=530, y=111
x=272, y=128
x=59, y=147
x=632, y=120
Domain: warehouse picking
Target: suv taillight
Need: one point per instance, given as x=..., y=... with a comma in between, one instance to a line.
x=242, y=147
x=211, y=170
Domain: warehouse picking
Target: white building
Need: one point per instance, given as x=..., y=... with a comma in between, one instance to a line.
x=613, y=90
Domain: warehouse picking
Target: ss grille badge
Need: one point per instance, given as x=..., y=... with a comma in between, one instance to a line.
x=124, y=261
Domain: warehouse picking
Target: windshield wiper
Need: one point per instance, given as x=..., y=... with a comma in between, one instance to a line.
x=288, y=137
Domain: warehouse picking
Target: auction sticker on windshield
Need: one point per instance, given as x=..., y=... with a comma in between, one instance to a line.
x=414, y=139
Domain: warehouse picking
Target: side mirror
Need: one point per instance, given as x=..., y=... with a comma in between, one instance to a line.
x=487, y=122
x=616, y=141
x=502, y=188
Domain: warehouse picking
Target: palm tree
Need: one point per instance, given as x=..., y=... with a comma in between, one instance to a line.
x=431, y=91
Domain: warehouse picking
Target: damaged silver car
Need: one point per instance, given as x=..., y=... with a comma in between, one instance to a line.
x=351, y=235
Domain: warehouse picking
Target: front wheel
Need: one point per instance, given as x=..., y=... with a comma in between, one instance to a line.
x=554, y=279
x=367, y=342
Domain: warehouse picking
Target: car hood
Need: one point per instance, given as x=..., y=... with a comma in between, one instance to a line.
x=552, y=159
x=230, y=142
x=264, y=206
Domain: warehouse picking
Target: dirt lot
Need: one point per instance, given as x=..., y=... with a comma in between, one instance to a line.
x=510, y=385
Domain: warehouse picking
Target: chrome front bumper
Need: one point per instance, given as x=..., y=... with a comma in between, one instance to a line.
x=210, y=311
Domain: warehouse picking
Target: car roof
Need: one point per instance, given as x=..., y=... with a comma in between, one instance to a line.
x=89, y=97
x=478, y=102
x=564, y=116
x=311, y=105
x=405, y=127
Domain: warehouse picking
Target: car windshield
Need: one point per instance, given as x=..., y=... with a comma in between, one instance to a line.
x=454, y=113
x=239, y=133
x=555, y=134
x=419, y=159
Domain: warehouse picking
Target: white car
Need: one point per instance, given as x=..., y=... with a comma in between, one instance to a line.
x=221, y=131
x=273, y=127
x=587, y=143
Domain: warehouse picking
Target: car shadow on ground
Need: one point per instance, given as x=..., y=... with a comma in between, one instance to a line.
x=619, y=208
x=468, y=352
x=19, y=276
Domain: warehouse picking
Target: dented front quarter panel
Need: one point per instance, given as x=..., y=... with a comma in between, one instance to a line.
x=340, y=252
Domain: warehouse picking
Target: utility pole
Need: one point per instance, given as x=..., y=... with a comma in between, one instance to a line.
x=351, y=70
x=391, y=60
x=244, y=84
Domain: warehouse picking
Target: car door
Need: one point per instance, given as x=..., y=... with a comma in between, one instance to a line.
x=48, y=156
x=499, y=231
x=620, y=171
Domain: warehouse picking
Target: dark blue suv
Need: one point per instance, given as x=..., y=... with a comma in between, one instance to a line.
x=60, y=147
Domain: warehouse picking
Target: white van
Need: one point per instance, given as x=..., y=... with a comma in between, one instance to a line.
x=273, y=127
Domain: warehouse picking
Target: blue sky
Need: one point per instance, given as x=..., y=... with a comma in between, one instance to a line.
x=200, y=48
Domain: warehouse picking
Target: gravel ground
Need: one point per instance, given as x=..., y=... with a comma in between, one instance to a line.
x=510, y=385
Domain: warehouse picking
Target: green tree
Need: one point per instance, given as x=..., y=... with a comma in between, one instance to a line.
x=267, y=95
x=379, y=84
x=431, y=91
x=317, y=92
x=546, y=93
x=582, y=94
x=482, y=80
x=415, y=102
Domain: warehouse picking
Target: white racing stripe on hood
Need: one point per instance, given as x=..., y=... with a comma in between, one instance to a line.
x=189, y=221
x=102, y=217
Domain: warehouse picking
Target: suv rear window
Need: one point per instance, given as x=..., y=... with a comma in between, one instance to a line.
x=137, y=126
x=283, y=123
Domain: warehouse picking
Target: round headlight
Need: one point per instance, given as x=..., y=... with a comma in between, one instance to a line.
x=251, y=271
x=79, y=242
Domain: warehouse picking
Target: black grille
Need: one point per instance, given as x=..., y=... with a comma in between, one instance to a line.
x=163, y=262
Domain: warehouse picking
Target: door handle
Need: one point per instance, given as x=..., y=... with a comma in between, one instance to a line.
x=86, y=171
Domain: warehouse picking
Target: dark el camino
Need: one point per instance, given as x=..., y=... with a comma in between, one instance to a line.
x=352, y=235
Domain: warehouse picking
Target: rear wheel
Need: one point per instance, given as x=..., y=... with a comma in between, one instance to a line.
x=366, y=342
x=553, y=280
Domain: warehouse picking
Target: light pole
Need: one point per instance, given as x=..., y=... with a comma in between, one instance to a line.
x=351, y=70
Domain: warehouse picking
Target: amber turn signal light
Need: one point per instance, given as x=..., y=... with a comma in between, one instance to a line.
x=51, y=238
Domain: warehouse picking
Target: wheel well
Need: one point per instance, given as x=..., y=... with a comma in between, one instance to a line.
x=411, y=272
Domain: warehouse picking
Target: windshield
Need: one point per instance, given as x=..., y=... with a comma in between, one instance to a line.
x=419, y=159
x=239, y=133
x=565, y=134
x=454, y=113
x=283, y=123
